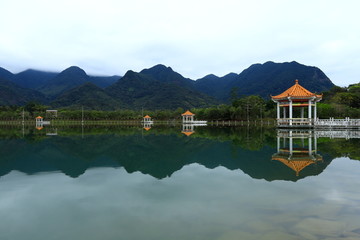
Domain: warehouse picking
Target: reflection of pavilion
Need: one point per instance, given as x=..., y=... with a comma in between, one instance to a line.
x=297, y=149
x=51, y=132
x=188, y=129
x=147, y=126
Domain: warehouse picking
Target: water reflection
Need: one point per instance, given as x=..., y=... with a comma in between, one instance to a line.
x=297, y=149
x=188, y=129
x=211, y=192
x=258, y=152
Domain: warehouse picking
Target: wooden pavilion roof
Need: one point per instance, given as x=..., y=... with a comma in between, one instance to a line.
x=296, y=91
x=187, y=133
x=187, y=113
x=147, y=116
x=297, y=164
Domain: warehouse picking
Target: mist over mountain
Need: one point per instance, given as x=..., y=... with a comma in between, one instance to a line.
x=66, y=80
x=158, y=87
x=33, y=79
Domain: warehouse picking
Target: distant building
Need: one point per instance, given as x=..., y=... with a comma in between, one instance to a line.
x=147, y=119
x=188, y=118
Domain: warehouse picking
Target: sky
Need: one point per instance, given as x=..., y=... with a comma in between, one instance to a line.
x=194, y=37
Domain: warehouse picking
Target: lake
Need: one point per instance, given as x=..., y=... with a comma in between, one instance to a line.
x=170, y=182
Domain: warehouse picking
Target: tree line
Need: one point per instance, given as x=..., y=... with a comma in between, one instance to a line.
x=245, y=108
x=339, y=102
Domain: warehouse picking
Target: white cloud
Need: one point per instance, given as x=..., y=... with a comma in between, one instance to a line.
x=194, y=37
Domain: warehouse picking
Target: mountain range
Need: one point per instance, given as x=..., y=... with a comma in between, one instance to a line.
x=158, y=87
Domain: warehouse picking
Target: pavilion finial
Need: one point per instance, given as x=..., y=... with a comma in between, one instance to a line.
x=297, y=81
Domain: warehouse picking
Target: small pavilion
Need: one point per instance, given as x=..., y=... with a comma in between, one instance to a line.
x=188, y=117
x=300, y=98
x=147, y=119
x=39, y=120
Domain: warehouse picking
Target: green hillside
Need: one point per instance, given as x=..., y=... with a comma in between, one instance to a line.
x=139, y=90
x=265, y=79
x=88, y=96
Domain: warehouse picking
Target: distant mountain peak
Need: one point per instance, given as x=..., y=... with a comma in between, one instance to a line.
x=5, y=74
x=211, y=76
x=74, y=70
x=158, y=69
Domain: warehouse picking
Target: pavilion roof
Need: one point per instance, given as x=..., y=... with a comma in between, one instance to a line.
x=39, y=117
x=187, y=113
x=187, y=133
x=296, y=91
x=297, y=166
x=147, y=116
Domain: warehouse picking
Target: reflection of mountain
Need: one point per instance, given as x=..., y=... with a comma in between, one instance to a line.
x=156, y=154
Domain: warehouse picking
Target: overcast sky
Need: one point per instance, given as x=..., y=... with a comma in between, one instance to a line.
x=194, y=37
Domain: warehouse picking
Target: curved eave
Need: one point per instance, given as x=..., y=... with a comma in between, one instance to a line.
x=280, y=98
x=187, y=133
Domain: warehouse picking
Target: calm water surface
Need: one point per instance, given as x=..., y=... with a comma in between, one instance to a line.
x=217, y=183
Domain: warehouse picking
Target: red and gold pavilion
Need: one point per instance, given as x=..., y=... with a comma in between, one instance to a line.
x=296, y=97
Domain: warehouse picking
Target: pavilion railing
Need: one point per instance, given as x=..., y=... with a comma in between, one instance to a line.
x=295, y=121
x=341, y=123
x=347, y=122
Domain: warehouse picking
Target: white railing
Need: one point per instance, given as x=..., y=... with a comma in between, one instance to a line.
x=195, y=122
x=321, y=123
x=346, y=123
x=295, y=121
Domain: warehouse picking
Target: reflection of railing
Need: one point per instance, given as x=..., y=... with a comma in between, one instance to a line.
x=295, y=134
x=319, y=133
x=195, y=122
x=338, y=134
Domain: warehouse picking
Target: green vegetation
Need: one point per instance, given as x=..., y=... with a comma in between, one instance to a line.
x=245, y=108
x=341, y=102
x=159, y=87
x=265, y=79
x=164, y=94
x=338, y=103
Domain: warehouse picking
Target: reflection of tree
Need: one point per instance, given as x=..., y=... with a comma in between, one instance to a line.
x=248, y=137
x=340, y=147
x=159, y=152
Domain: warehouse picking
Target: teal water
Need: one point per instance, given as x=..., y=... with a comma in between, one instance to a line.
x=218, y=183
